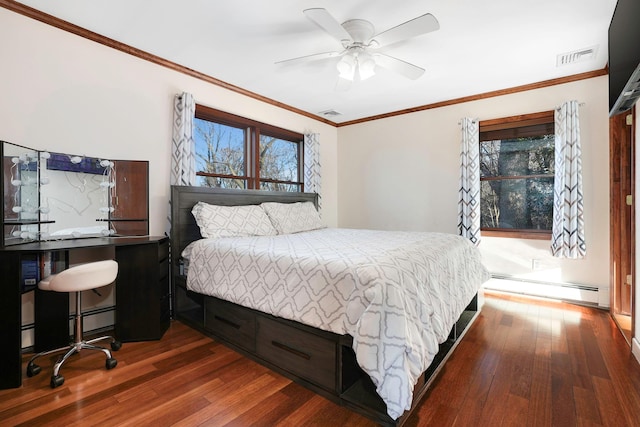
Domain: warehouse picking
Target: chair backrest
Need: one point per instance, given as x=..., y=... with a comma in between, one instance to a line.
x=85, y=276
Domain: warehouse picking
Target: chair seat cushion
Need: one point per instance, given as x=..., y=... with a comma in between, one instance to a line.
x=45, y=283
x=81, y=277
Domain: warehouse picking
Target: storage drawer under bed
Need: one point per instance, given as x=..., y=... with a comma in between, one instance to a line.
x=231, y=323
x=304, y=354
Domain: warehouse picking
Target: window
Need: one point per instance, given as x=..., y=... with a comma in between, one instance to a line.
x=516, y=176
x=235, y=152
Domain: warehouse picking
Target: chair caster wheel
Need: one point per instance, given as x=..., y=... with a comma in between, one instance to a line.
x=56, y=381
x=33, y=369
x=116, y=345
x=111, y=363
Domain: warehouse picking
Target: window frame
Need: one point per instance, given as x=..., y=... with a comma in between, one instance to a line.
x=253, y=130
x=516, y=126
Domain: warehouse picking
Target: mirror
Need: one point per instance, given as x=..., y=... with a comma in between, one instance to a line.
x=75, y=192
x=51, y=196
x=20, y=192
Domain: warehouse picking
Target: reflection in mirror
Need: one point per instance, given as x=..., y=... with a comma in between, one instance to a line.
x=76, y=192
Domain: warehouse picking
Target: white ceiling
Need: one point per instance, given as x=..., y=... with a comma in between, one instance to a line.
x=482, y=45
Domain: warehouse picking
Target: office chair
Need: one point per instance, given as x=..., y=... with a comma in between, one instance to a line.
x=77, y=279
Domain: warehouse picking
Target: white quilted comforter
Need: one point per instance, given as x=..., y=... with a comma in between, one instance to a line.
x=397, y=294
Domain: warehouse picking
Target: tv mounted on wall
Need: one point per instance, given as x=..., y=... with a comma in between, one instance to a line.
x=624, y=57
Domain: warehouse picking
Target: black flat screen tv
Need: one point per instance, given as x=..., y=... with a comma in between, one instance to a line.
x=624, y=56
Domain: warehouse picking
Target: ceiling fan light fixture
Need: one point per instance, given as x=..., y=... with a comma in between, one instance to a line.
x=358, y=59
x=347, y=67
x=366, y=66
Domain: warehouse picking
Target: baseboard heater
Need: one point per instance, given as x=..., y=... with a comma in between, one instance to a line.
x=570, y=292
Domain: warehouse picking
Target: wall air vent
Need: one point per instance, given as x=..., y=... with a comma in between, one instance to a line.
x=581, y=55
x=330, y=113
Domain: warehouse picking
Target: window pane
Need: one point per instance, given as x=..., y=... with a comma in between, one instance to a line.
x=517, y=157
x=525, y=204
x=220, y=148
x=278, y=159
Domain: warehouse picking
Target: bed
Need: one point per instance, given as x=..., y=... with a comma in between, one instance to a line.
x=334, y=309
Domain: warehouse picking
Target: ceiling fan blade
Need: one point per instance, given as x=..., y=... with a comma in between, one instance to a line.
x=406, y=69
x=309, y=58
x=415, y=27
x=328, y=23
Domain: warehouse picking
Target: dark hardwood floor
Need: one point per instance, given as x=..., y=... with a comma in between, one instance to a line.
x=523, y=363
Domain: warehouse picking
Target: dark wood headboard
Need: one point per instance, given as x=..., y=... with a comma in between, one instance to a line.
x=184, y=229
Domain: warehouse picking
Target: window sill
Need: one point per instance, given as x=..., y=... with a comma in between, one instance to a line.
x=518, y=234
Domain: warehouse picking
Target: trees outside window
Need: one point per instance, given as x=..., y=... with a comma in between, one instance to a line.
x=516, y=176
x=235, y=152
x=279, y=164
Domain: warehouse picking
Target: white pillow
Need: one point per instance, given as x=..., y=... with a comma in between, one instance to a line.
x=231, y=221
x=293, y=217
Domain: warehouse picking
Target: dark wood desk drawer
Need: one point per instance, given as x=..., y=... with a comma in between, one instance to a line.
x=227, y=321
x=302, y=353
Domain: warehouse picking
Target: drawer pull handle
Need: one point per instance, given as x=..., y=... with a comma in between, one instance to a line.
x=228, y=322
x=291, y=350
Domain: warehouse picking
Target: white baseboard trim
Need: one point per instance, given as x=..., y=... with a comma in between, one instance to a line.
x=560, y=291
x=635, y=348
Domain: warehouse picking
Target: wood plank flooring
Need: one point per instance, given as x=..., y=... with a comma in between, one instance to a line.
x=523, y=363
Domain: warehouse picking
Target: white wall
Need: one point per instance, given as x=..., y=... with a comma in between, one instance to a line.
x=403, y=173
x=63, y=93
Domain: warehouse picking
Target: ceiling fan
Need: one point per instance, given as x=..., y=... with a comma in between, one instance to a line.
x=359, y=55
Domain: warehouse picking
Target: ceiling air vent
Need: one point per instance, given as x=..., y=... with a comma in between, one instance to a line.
x=330, y=113
x=577, y=56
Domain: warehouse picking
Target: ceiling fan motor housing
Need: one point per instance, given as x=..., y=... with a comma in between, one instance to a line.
x=360, y=31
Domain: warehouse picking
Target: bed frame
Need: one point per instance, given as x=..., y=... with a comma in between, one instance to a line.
x=319, y=360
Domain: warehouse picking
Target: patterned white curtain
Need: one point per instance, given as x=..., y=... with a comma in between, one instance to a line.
x=183, y=160
x=469, y=195
x=567, y=238
x=312, y=165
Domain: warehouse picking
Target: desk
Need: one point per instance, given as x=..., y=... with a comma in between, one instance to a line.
x=141, y=288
